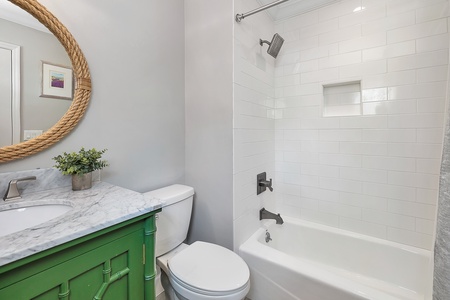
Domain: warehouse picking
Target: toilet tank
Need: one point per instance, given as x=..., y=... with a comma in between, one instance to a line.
x=172, y=222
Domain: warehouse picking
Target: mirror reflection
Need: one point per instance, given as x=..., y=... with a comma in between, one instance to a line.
x=24, y=117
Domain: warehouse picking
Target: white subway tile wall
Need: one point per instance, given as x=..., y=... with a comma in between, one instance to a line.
x=254, y=117
x=377, y=173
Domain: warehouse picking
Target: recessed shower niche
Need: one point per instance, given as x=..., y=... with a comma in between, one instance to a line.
x=342, y=99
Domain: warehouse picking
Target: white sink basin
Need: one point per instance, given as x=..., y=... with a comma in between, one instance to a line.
x=26, y=216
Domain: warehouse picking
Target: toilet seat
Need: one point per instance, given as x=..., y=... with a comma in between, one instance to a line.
x=209, y=270
x=189, y=290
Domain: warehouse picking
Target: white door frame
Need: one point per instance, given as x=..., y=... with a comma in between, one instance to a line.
x=15, y=89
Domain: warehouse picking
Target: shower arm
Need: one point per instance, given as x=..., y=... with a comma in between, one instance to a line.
x=261, y=42
x=240, y=17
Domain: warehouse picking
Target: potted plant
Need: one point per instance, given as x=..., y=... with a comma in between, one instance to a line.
x=80, y=165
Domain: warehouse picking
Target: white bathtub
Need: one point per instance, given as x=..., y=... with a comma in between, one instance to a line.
x=309, y=261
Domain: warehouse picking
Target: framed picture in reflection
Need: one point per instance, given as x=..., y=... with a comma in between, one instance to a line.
x=57, y=81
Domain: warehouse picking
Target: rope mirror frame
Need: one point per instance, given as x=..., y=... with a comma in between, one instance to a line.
x=82, y=92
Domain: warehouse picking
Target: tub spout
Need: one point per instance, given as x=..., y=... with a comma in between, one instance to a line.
x=265, y=214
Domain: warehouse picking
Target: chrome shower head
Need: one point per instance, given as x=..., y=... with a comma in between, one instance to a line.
x=274, y=45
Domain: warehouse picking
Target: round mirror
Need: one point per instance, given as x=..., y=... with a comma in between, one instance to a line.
x=56, y=81
x=28, y=50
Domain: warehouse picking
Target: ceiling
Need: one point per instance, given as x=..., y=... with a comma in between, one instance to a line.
x=293, y=7
x=11, y=12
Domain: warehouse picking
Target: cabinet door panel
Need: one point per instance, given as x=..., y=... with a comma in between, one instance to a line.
x=113, y=271
x=50, y=294
x=86, y=284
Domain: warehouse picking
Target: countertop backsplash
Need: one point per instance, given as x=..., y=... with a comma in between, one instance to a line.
x=46, y=179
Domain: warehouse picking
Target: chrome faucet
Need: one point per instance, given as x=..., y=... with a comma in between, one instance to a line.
x=12, y=192
x=265, y=214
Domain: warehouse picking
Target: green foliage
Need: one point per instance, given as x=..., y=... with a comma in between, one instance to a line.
x=85, y=161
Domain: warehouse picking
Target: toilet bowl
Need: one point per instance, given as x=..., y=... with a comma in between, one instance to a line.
x=200, y=271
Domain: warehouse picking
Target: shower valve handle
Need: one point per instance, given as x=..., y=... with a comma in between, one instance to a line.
x=267, y=184
x=262, y=183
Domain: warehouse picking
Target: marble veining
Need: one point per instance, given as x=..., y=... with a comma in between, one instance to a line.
x=101, y=206
x=47, y=179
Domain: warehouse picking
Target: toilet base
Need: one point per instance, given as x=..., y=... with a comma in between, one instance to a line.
x=159, y=290
x=164, y=290
x=161, y=296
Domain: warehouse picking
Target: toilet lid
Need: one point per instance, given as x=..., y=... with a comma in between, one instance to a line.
x=209, y=267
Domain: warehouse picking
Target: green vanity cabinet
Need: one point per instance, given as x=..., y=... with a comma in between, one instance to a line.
x=116, y=263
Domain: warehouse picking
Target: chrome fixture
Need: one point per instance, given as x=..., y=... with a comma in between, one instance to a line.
x=265, y=214
x=274, y=45
x=12, y=192
x=240, y=17
x=267, y=238
x=262, y=183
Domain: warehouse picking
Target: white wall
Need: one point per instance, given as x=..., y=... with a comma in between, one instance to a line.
x=253, y=124
x=377, y=173
x=209, y=115
x=135, y=53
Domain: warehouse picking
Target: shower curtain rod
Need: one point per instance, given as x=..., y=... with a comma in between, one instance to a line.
x=239, y=17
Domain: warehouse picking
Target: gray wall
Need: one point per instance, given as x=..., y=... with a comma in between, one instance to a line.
x=135, y=52
x=209, y=118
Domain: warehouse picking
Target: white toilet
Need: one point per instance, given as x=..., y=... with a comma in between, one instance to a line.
x=200, y=271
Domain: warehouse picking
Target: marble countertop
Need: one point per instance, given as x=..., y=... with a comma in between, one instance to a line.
x=100, y=207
